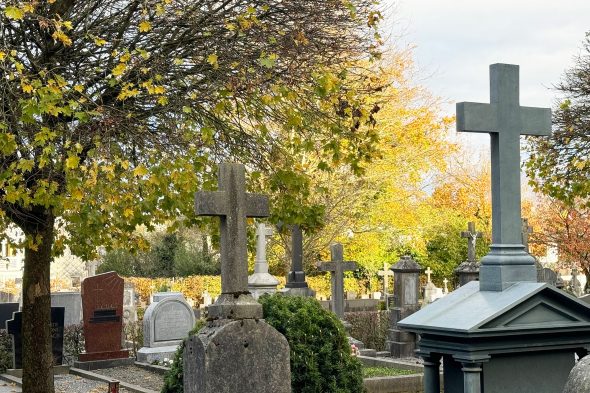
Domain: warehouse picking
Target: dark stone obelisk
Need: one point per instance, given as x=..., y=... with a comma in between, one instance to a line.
x=296, y=284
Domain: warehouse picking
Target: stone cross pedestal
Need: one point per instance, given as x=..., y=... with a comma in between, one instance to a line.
x=469, y=270
x=236, y=352
x=406, y=288
x=261, y=281
x=337, y=266
x=296, y=284
x=505, y=120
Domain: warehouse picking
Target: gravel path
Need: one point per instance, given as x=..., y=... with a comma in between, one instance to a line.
x=134, y=375
x=76, y=384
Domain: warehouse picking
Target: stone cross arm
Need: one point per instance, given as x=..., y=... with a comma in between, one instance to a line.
x=332, y=266
x=477, y=117
x=216, y=203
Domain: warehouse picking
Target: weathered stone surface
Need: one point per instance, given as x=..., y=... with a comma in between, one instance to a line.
x=262, y=281
x=72, y=302
x=237, y=356
x=129, y=308
x=579, y=378
x=337, y=266
x=102, y=309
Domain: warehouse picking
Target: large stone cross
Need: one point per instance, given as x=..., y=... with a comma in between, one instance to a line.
x=232, y=205
x=385, y=273
x=471, y=235
x=337, y=266
x=505, y=120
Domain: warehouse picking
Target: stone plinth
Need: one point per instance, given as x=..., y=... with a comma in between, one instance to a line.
x=237, y=356
x=102, y=309
x=165, y=324
x=406, y=275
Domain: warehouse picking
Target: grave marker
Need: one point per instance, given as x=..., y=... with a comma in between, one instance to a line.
x=469, y=270
x=102, y=310
x=236, y=351
x=261, y=281
x=296, y=284
x=72, y=303
x=337, y=266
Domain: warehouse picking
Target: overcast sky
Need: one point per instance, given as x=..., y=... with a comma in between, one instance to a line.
x=456, y=41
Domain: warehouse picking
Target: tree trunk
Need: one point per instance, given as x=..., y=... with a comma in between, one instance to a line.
x=37, y=355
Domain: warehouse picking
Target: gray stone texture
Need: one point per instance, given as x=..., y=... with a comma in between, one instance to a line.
x=237, y=356
x=579, y=378
x=72, y=302
x=468, y=270
x=505, y=120
x=406, y=288
x=129, y=307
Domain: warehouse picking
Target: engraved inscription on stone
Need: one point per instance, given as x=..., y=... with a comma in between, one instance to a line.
x=172, y=322
x=410, y=291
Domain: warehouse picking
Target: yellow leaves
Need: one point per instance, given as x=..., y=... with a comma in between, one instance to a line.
x=77, y=194
x=62, y=37
x=153, y=89
x=68, y=25
x=72, y=162
x=125, y=58
x=128, y=212
x=119, y=69
x=212, y=59
x=162, y=100
x=14, y=13
x=27, y=88
x=140, y=171
x=127, y=91
x=2, y=55
x=79, y=88
x=145, y=26
x=99, y=41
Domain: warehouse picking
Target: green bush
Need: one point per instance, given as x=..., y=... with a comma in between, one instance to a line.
x=321, y=361
x=5, y=351
x=370, y=327
x=73, y=342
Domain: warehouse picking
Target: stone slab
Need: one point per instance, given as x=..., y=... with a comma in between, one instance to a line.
x=72, y=302
x=103, y=378
x=237, y=356
x=6, y=310
x=150, y=355
x=98, y=364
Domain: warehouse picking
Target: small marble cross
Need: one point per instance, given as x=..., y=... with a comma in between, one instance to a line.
x=428, y=272
x=471, y=235
x=446, y=288
x=233, y=206
x=337, y=266
x=385, y=273
x=262, y=233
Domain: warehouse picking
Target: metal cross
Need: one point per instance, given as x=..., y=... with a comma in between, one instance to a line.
x=471, y=235
x=232, y=205
x=337, y=266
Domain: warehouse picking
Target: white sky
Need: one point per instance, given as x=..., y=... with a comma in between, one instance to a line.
x=456, y=41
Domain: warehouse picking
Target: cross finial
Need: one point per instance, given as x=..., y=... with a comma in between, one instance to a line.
x=232, y=205
x=262, y=233
x=471, y=235
x=505, y=120
x=337, y=266
x=526, y=231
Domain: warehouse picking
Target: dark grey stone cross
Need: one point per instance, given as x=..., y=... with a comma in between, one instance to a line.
x=471, y=235
x=505, y=120
x=337, y=266
x=232, y=205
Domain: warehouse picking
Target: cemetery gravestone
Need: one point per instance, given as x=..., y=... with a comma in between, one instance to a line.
x=469, y=270
x=337, y=267
x=236, y=352
x=102, y=309
x=507, y=332
x=6, y=311
x=406, y=302
x=14, y=327
x=261, y=281
x=385, y=273
x=296, y=284
x=431, y=292
x=166, y=323
x=129, y=309
x=72, y=303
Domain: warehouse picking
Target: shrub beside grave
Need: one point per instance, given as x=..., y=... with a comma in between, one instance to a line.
x=5, y=351
x=370, y=327
x=73, y=342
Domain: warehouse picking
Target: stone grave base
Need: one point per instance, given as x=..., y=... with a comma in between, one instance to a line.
x=237, y=356
x=305, y=291
x=98, y=364
x=88, y=357
x=150, y=355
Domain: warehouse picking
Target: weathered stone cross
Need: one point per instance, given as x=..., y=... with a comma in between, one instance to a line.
x=385, y=273
x=428, y=272
x=505, y=120
x=526, y=231
x=471, y=235
x=337, y=267
x=262, y=232
x=232, y=205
